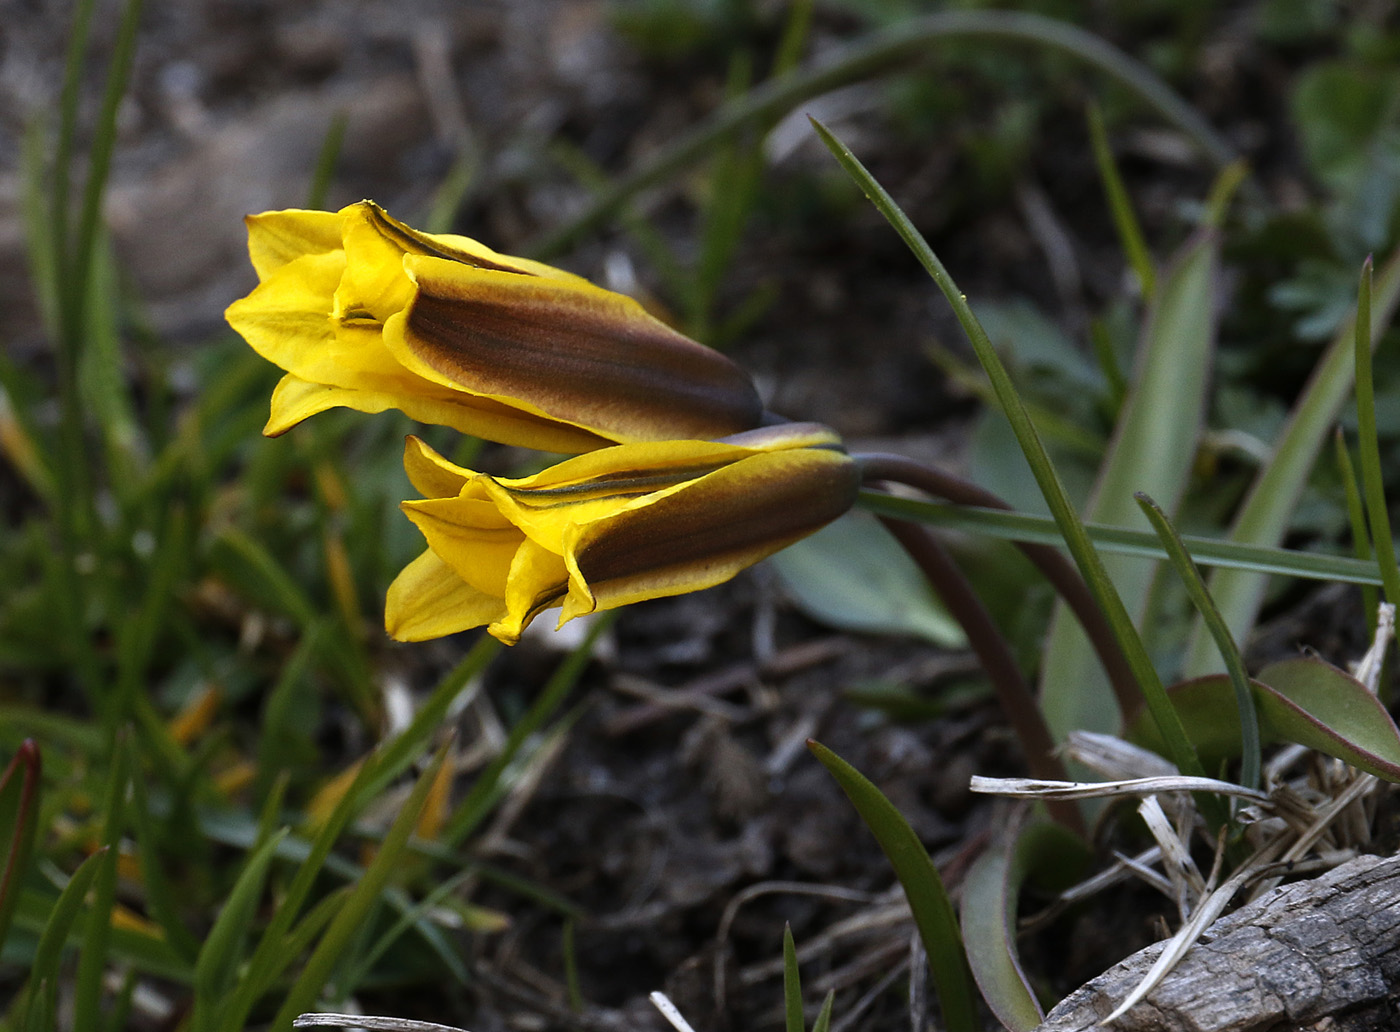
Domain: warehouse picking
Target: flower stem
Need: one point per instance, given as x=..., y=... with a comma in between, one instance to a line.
x=1053, y=566
x=1017, y=700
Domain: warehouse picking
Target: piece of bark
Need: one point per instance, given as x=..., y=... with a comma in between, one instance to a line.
x=1319, y=954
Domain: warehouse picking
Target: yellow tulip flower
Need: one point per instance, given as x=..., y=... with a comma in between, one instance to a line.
x=615, y=526
x=362, y=311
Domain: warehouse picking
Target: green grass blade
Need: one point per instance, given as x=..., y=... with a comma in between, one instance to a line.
x=792, y=985
x=1075, y=536
x=160, y=895
x=1356, y=516
x=326, y=159
x=1124, y=218
x=823, y=1022
x=569, y=948
x=1010, y=525
x=218, y=960
x=1264, y=515
x=485, y=790
x=268, y=958
x=92, y=953
x=42, y=987
x=104, y=138
x=1229, y=651
x=933, y=913
x=1372, y=483
x=1153, y=449
x=359, y=903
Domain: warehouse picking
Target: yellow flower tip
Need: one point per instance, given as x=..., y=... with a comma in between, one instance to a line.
x=615, y=526
x=380, y=315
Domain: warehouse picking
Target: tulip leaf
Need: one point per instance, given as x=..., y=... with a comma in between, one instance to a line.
x=1300, y=700
x=989, y=896
x=1153, y=450
x=1315, y=704
x=853, y=575
x=928, y=900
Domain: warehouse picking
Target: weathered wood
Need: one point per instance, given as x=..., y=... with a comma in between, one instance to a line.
x=1319, y=954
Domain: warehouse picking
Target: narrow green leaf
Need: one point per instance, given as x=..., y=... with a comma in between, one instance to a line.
x=1038, y=850
x=1077, y=539
x=326, y=159
x=933, y=913
x=486, y=789
x=1042, y=530
x=823, y=1022
x=42, y=987
x=217, y=964
x=1229, y=651
x=792, y=985
x=1153, y=450
x=92, y=952
x=1360, y=536
x=1124, y=218
x=269, y=958
x=988, y=930
x=853, y=575
x=1372, y=483
x=1267, y=509
x=357, y=906
x=19, y=821
x=160, y=897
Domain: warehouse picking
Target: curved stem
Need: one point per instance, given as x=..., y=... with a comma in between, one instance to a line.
x=1053, y=566
x=1017, y=700
x=876, y=54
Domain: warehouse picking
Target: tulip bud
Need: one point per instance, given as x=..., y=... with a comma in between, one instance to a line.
x=615, y=526
x=362, y=311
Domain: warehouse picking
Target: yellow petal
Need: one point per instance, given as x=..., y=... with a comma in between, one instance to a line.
x=570, y=350
x=702, y=533
x=431, y=475
x=538, y=580
x=471, y=536
x=428, y=600
x=278, y=237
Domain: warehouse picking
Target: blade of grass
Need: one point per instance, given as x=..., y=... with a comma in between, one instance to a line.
x=1036, y=529
x=217, y=964
x=1229, y=651
x=928, y=900
x=357, y=905
x=901, y=45
x=92, y=953
x=1076, y=538
x=1360, y=536
x=160, y=896
x=1264, y=515
x=1372, y=483
x=481, y=797
x=1124, y=218
x=42, y=988
x=1153, y=449
x=792, y=985
x=823, y=1022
